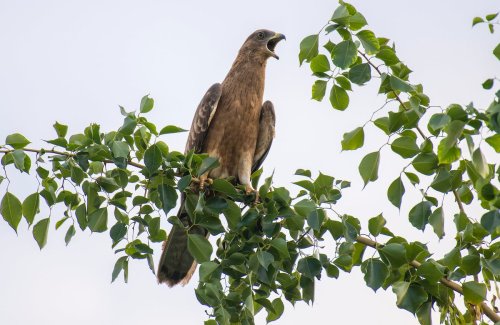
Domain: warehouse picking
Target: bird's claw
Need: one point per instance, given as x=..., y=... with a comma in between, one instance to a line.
x=201, y=181
x=249, y=190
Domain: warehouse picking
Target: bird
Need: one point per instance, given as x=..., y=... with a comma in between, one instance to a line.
x=233, y=125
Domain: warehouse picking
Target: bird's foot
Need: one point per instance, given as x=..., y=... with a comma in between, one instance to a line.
x=249, y=190
x=201, y=181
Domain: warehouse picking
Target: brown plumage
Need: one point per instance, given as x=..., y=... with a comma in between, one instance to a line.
x=233, y=125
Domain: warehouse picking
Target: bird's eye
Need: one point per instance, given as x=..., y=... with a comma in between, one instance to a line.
x=260, y=35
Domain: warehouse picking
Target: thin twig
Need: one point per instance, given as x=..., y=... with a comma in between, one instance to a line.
x=395, y=94
x=68, y=154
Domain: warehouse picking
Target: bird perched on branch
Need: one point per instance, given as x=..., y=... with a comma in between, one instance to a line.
x=233, y=125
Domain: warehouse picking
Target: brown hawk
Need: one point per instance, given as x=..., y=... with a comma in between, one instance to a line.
x=232, y=125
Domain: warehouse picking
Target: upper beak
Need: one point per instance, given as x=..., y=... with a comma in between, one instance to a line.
x=271, y=44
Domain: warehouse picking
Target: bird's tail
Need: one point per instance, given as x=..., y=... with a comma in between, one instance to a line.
x=176, y=263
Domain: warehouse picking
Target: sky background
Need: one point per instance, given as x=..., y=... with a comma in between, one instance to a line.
x=76, y=61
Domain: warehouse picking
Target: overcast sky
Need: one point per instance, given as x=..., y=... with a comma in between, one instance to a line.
x=76, y=61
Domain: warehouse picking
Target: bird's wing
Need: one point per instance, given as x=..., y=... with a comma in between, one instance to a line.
x=266, y=135
x=202, y=118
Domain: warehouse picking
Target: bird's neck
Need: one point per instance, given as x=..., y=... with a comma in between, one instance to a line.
x=247, y=74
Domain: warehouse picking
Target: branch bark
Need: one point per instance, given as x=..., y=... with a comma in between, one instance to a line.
x=68, y=154
x=490, y=313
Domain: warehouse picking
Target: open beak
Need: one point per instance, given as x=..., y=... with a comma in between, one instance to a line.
x=273, y=41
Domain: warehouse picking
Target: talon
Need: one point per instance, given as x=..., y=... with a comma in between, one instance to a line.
x=201, y=181
x=249, y=190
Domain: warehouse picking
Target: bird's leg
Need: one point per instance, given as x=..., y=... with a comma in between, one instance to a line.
x=244, y=176
x=202, y=180
x=249, y=190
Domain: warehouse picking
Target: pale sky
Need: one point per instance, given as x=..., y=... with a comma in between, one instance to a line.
x=76, y=61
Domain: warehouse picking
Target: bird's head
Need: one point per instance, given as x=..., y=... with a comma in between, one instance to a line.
x=262, y=43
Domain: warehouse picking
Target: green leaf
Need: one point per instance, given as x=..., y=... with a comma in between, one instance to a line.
x=494, y=142
x=339, y=98
x=496, y=51
x=17, y=141
x=490, y=17
x=425, y=163
x=413, y=178
x=152, y=158
x=61, y=129
x=399, y=84
x=474, y=292
x=376, y=224
x=31, y=206
x=488, y=83
x=147, y=104
x=308, y=48
x=344, y=54
x=11, y=210
x=437, y=122
x=448, y=152
x=21, y=160
x=343, y=82
x=368, y=168
x=360, y=73
x=395, y=192
x=128, y=127
x=304, y=207
x=81, y=216
x=280, y=245
x=120, y=149
x=409, y=296
x=394, y=253
x=431, y=270
x=341, y=15
x=479, y=162
x=265, y=259
x=357, y=21
x=69, y=234
x=491, y=222
x=208, y=164
x=171, y=129
x=436, y=220
x=388, y=56
x=424, y=313
x=278, y=310
x=199, y=247
x=405, y=146
x=206, y=269
x=419, y=215
x=40, y=232
x=375, y=273
x=309, y=266
x=320, y=63
x=369, y=41
x=319, y=90
x=117, y=232
x=98, y=220
x=119, y=266
x=354, y=139
x=168, y=197
x=477, y=20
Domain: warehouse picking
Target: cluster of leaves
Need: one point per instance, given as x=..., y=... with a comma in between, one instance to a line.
x=88, y=175
x=437, y=165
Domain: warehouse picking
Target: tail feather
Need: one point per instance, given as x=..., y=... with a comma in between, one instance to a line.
x=176, y=263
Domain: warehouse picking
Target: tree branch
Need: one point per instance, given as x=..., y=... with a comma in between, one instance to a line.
x=450, y=284
x=459, y=202
x=68, y=154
